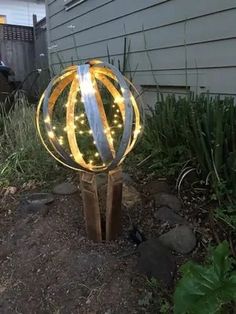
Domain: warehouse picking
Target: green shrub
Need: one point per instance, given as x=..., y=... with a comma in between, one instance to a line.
x=207, y=289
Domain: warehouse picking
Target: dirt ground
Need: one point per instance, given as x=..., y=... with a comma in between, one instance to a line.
x=48, y=266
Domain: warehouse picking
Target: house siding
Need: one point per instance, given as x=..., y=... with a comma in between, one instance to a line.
x=172, y=42
x=20, y=12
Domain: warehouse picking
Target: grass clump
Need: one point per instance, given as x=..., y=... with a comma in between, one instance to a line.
x=193, y=133
x=23, y=157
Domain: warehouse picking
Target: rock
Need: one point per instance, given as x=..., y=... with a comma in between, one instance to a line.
x=169, y=200
x=156, y=261
x=39, y=198
x=166, y=214
x=130, y=196
x=65, y=188
x=180, y=239
x=155, y=187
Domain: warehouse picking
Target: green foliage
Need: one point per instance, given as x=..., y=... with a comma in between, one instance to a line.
x=227, y=214
x=200, y=131
x=23, y=157
x=206, y=289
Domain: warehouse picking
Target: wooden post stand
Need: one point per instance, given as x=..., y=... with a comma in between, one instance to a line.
x=114, y=200
x=91, y=205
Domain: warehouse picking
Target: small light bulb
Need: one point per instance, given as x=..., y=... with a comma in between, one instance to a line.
x=103, y=165
x=82, y=121
x=115, y=115
x=96, y=154
x=119, y=125
x=81, y=132
x=90, y=131
x=65, y=129
x=54, y=128
x=90, y=161
x=71, y=155
x=47, y=119
x=115, y=121
x=76, y=118
x=112, y=132
x=113, y=106
x=66, y=105
x=94, y=142
x=117, y=110
x=51, y=134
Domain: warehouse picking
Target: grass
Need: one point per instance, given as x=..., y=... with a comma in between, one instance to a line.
x=23, y=157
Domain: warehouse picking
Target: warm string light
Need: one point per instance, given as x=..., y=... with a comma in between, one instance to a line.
x=80, y=119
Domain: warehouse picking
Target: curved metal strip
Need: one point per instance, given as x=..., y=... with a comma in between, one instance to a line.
x=125, y=140
x=48, y=118
x=42, y=140
x=114, y=92
x=105, y=124
x=70, y=127
x=137, y=109
x=93, y=113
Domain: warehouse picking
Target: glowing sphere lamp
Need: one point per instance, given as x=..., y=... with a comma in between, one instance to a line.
x=89, y=119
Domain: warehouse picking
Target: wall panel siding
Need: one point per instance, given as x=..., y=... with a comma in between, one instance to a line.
x=197, y=31
x=169, y=32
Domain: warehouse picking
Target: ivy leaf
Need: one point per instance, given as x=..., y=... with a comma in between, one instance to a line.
x=204, y=289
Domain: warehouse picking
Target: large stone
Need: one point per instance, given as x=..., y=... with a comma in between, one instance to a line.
x=65, y=188
x=157, y=186
x=156, y=261
x=169, y=200
x=166, y=214
x=130, y=196
x=180, y=239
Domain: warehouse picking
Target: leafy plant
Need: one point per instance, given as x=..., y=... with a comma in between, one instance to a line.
x=206, y=289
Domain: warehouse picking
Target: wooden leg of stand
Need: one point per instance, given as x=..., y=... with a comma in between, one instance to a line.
x=114, y=200
x=91, y=205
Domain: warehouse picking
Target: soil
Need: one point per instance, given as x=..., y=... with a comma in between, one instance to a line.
x=48, y=266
